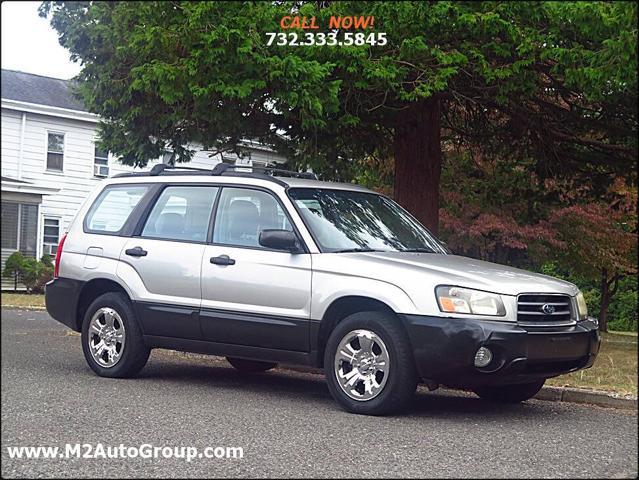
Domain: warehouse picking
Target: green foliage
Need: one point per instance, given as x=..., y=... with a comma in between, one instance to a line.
x=622, y=311
x=549, y=80
x=13, y=264
x=47, y=261
x=32, y=273
x=45, y=273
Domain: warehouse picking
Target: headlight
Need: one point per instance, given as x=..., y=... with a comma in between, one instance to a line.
x=464, y=300
x=581, y=306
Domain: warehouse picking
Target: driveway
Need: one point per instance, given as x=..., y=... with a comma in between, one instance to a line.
x=285, y=422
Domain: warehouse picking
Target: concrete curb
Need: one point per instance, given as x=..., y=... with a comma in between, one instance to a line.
x=550, y=394
x=24, y=307
x=590, y=397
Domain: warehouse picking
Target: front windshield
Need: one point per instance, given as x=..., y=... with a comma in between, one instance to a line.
x=344, y=220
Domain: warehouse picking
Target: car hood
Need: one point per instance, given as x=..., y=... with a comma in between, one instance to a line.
x=436, y=269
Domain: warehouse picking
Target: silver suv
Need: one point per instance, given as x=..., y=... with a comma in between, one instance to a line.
x=267, y=267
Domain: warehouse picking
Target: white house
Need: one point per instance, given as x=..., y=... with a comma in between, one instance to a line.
x=50, y=162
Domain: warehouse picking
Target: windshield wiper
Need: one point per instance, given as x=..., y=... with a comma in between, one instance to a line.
x=418, y=250
x=361, y=249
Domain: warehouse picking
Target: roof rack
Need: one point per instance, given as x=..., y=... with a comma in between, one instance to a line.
x=161, y=167
x=224, y=169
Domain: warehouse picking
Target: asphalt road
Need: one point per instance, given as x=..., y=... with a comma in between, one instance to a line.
x=285, y=421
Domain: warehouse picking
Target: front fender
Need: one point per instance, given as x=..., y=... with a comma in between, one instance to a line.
x=328, y=287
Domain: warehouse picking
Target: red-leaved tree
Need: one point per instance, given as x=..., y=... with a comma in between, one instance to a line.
x=600, y=243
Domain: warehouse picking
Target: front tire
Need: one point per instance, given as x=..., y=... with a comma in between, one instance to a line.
x=250, y=366
x=112, y=341
x=510, y=393
x=369, y=364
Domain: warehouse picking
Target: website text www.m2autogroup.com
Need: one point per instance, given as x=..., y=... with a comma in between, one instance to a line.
x=145, y=450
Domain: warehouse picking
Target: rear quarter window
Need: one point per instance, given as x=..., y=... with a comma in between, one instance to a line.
x=112, y=208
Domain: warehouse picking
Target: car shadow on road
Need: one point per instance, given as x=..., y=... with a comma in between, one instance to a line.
x=217, y=375
x=311, y=387
x=468, y=406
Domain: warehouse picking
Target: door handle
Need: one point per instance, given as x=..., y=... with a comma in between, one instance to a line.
x=222, y=260
x=136, y=252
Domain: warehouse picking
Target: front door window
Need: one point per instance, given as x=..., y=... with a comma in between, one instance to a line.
x=243, y=213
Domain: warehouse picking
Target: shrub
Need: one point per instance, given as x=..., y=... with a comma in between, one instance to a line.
x=47, y=261
x=622, y=311
x=29, y=273
x=45, y=274
x=32, y=273
x=12, y=268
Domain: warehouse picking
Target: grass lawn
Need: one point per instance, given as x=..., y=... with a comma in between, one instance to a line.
x=614, y=370
x=22, y=300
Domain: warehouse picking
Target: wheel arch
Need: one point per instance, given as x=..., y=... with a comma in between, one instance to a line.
x=92, y=290
x=338, y=310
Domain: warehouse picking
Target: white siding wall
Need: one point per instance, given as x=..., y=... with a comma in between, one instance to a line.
x=77, y=178
x=202, y=159
x=10, y=142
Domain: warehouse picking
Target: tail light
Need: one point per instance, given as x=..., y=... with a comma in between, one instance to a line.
x=58, y=255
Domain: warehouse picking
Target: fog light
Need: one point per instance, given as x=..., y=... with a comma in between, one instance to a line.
x=483, y=357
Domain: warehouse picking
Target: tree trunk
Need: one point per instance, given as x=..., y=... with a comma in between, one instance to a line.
x=606, y=295
x=609, y=288
x=418, y=161
x=605, y=301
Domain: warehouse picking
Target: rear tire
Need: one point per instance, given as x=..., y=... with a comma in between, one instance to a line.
x=112, y=341
x=510, y=393
x=369, y=364
x=250, y=366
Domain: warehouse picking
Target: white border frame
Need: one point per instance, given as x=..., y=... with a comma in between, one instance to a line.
x=46, y=151
x=60, y=230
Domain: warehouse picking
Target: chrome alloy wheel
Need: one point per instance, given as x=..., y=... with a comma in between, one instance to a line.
x=362, y=364
x=106, y=337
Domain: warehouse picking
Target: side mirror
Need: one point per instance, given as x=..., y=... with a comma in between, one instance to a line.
x=279, y=240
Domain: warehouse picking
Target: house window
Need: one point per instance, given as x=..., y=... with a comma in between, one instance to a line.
x=19, y=227
x=51, y=236
x=28, y=229
x=55, y=151
x=100, y=163
x=10, y=225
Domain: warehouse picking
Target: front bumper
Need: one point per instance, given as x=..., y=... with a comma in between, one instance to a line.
x=444, y=350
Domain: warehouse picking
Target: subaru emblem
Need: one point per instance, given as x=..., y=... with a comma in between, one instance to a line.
x=548, y=309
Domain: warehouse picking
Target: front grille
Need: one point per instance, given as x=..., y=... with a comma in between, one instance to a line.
x=541, y=310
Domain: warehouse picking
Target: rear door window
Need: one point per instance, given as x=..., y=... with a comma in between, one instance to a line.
x=112, y=208
x=181, y=213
